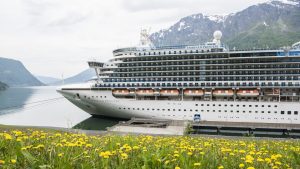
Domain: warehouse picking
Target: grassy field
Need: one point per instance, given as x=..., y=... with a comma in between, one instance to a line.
x=35, y=148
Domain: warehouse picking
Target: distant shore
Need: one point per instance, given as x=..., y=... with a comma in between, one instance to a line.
x=3, y=86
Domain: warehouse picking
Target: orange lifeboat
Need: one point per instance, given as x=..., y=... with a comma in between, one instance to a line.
x=120, y=92
x=145, y=92
x=193, y=92
x=247, y=93
x=223, y=93
x=169, y=92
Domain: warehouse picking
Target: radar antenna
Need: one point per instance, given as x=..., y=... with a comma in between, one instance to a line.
x=217, y=37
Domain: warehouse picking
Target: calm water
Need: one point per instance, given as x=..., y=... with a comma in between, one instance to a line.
x=43, y=106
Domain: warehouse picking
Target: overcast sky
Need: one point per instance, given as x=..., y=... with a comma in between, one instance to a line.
x=55, y=37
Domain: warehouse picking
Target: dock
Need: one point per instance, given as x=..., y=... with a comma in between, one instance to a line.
x=151, y=126
x=182, y=127
x=246, y=129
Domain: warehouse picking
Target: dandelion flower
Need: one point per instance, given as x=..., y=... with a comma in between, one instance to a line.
x=197, y=164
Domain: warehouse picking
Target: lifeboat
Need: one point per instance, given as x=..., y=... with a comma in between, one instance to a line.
x=193, y=92
x=247, y=93
x=145, y=92
x=169, y=92
x=223, y=93
x=207, y=92
x=121, y=92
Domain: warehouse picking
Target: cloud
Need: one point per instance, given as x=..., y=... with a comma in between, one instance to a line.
x=52, y=37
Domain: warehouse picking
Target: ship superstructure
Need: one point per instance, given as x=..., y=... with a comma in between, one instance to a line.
x=179, y=82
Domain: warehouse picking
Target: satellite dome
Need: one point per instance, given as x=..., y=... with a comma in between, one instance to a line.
x=217, y=35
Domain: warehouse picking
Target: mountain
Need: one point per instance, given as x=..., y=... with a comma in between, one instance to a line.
x=79, y=78
x=3, y=86
x=47, y=80
x=13, y=73
x=267, y=25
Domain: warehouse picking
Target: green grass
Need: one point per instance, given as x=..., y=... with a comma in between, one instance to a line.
x=36, y=148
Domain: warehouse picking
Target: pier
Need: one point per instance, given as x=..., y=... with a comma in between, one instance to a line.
x=182, y=127
x=151, y=126
x=246, y=129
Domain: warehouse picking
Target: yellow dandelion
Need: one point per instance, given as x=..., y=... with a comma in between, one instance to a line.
x=220, y=167
x=124, y=156
x=2, y=162
x=197, y=164
x=242, y=165
x=277, y=163
x=13, y=161
x=7, y=136
x=60, y=154
x=250, y=168
x=177, y=167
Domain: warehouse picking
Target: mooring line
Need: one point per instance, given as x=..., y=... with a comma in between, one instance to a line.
x=36, y=102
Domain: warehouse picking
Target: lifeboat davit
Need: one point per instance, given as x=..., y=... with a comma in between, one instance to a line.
x=193, y=92
x=272, y=92
x=247, y=93
x=145, y=92
x=121, y=92
x=169, y=92
x=223, y=93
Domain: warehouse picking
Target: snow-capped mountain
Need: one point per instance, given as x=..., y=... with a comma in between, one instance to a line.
x=271, y=24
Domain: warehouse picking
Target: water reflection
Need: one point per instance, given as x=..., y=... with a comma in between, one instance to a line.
x=14, y=98
x=97, y=123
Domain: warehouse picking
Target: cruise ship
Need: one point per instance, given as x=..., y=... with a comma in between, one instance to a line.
x=180, y=82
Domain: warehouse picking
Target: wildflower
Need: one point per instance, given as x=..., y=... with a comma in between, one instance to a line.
x=197, y=164
x=190, y=153
x=177, y=167
x=242, y=165
x=242, y=151
x=13, y=161
x=220, y=167
x=88, y=145
x=7, y=136
x=268, y=160
x=278, y=163
x=60, y=154
x=124, y=156
x=250, y=168
x=2, y=162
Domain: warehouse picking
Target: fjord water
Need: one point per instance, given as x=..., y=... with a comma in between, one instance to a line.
x=43, y=106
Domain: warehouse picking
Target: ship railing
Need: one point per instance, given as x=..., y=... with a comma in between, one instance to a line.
x=186, y=85
x=94, y=64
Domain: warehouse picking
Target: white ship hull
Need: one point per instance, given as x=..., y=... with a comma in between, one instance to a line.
x=102, y=102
